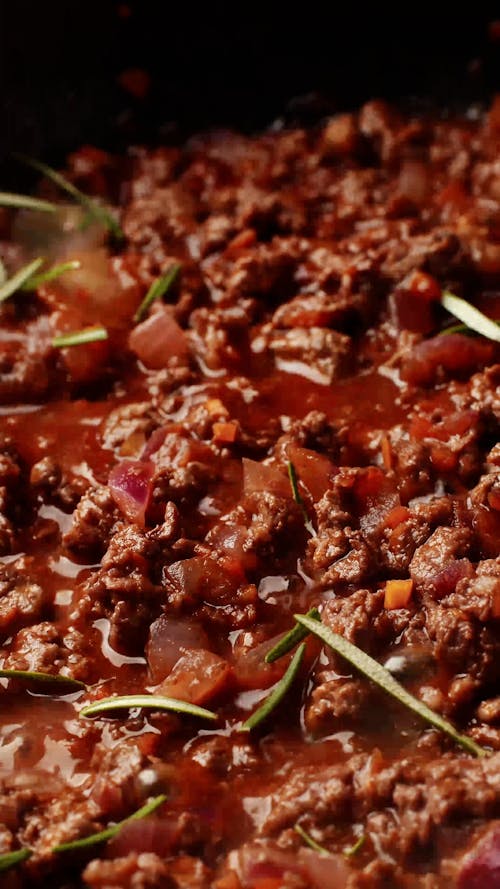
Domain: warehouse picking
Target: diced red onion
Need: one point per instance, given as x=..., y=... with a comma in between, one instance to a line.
x=481, y=868
x=146, y=835
x=257, y=477
x=158, y=339
x=130, y=483
x=198, y=676
x=324, y=871
x=169, y=638
x=454, y=353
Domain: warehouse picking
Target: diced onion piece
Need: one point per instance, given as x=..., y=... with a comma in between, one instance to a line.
x=397, y=594
x=158, y=339
x=198, y=676
x=481, y=867
x=471, y=316
x=130, y=483
x=257, y=477
x=169, y=638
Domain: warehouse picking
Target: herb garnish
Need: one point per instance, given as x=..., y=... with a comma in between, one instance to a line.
x=25, y=202
x=16, y=282
x=111, y=832
x=94, y=209
x=10, y=859
x=292, y=475
x=381, y=677
x=353, y=850
x=278, y=693
x=310, y=841
x=56, y=271
x=470, y=316
x=80, y=337
x=290, y=639
x=158, y=288
x=43, y=678
x=150, y=702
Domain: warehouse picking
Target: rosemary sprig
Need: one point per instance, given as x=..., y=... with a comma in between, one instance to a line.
x=80, y=337
x=10, y=859
x=381, y=677
x=470, y=316
x=19, y=279
x=158, y=288
x=351, y=851
x=43, y=679
x=294, y=484
x=146, y=702
x=95, y=210
x=278, y=693
x=103, y=835
x=25, y=202
x=310, y=841
x=290, y=639
x=56, y=271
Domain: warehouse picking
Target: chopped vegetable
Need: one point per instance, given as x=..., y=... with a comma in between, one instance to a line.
x=56, y=271
x=460, y=328
x=225, y=433
x=397, y=593
x=10, y=859
x=131, y=486
x=158, y=288
x=111, y=832
x=290, y=639
x=25, y=202
x=80, y=337
x=309, y=841
x=277, y=694
x=43, y=678
x=94, y=209
x=292, y=475
x=470, y=316
x=16, y=282
x=147, y=702
x=378, y=674
x=353, y=850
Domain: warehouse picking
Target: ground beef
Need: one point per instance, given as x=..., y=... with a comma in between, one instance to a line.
x=290, y=424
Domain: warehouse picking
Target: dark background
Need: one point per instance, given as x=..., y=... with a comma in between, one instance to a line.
x=225, y=64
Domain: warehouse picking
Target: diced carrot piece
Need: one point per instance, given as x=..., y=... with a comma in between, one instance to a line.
x=148, y=743
x=396, y=516
x=397, y=593
x=385, y=447
x=225, y=432
x=241, y=241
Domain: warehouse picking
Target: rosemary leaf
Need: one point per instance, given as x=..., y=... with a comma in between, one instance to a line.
x=353, y=850
x=56, y=271
x=10, y=859
x=25, y=202
x=309, y=841
x=278, y=693
x=110, y=832
x=292, y=475
x=16, y=282
x=80, y=337
x=470, y=316
x=290, y=639
x=44, y=678
x=149, y=702
x=158, y=288
x=94, y=209
x=381, y=677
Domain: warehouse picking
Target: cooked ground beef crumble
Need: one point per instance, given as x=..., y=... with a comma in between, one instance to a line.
x=149, y=536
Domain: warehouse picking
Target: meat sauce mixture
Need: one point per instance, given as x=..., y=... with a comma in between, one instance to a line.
x=151, y=542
